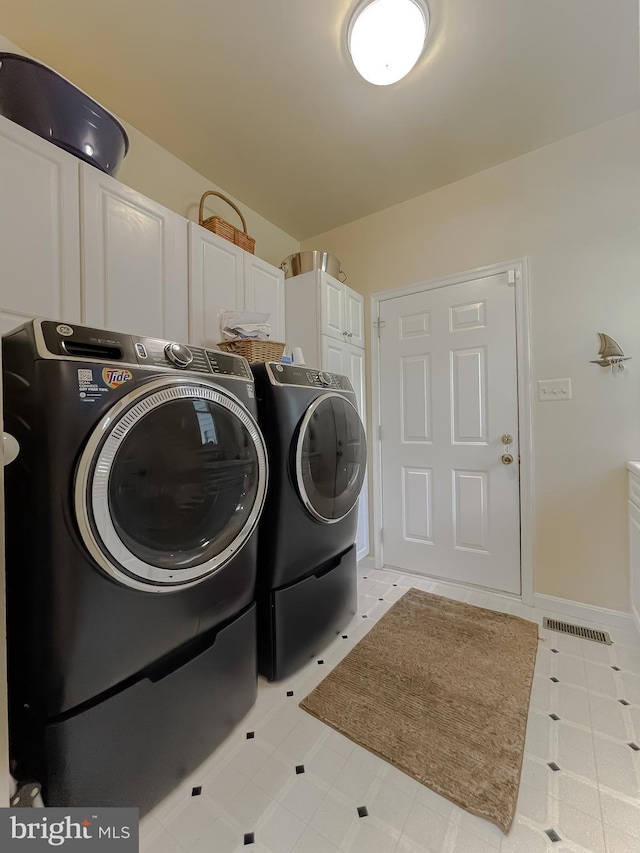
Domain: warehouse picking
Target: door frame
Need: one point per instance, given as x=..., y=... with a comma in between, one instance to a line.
x=519, y=269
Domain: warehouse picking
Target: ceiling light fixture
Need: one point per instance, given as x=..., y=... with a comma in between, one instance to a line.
x=386, y=38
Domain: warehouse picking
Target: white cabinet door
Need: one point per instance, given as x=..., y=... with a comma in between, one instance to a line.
x=354, y=309
x=332, y=320
x=362, y=534
x=334, y=355
x=39, y=229
x=634, y=556
x=216, y=276
x=264, y=291
x=134, y=260
x=355, y=372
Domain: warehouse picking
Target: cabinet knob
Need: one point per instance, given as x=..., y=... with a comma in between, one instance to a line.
x=350, y=334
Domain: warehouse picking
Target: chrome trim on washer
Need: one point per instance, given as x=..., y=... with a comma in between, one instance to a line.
x=303, y=428
x=93, y=502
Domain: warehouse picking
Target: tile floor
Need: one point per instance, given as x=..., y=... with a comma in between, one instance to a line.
x=283, y=782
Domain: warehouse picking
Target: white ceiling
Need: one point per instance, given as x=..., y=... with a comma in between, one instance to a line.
x=261, y=97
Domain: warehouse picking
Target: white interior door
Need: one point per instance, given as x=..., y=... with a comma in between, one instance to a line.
x=448, y=393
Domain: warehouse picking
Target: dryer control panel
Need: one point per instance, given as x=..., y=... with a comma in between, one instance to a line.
x=292, y=374
x=82, y=343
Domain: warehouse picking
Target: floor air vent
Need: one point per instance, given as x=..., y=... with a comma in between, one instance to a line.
x=577, y=631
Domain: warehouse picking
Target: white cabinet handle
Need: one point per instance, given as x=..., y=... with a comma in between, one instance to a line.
x=11, y=448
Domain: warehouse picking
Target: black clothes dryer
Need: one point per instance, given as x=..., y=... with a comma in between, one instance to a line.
x=306, y=584
x=132, y=513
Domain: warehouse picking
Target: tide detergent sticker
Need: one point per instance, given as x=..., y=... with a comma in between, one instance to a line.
x=116, y=376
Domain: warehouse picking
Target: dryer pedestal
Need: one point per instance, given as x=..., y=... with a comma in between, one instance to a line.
x=134, y=747
x=297, y=622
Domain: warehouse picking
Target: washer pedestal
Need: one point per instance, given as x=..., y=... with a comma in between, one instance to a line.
x=297, y=622
x=159, y=728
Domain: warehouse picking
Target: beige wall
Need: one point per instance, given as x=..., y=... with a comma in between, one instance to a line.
x=159, y=175
x=572, y=209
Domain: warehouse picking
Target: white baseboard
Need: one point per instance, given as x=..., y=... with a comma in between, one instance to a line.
x=586, y=612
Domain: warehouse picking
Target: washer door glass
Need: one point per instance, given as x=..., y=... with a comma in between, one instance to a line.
x=177, y=486
x=331, y=457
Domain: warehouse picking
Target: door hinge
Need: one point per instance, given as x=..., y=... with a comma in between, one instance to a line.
x=379, y=432
x=379, y=324
x=511, y=276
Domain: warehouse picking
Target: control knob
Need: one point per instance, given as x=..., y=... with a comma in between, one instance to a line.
x=178, y=354
x=322, y=379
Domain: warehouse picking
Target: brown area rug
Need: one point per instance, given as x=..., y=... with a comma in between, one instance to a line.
x=441, y=690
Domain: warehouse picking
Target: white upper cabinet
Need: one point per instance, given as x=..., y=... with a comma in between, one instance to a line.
x=264, y=291
x=39, y=236
x=355, y=371
x=334, y=355
x=223, y=277
x=354, y=317
x=77, y=245
x=332, y=307
x=342, y=311
x=134, y=270
x=216, y=283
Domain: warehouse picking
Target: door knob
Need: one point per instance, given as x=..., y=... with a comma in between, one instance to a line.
x=507, y=439
x=506, y=459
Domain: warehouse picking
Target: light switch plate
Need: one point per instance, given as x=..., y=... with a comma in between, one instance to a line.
x=554, y=389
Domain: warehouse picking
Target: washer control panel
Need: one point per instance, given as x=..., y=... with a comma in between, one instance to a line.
x=291, y=374
x=151, y=351
x=81, y=343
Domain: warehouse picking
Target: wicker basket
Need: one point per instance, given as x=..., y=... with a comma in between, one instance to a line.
x=225, y=229
x=254, y=351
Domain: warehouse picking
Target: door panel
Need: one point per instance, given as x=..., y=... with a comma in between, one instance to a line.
x=354, y=309
x=469, y=396
x=134, y=260
x=417, y=504
x=264, y=291
x=39, y=229
x=334, y=356
x=216, y=283
x=416, y=398
x=448, y=367
x=332, y=308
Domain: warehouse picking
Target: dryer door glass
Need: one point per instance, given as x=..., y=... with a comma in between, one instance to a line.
x=331, y=457
x=175, y=488
x=183, y=483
